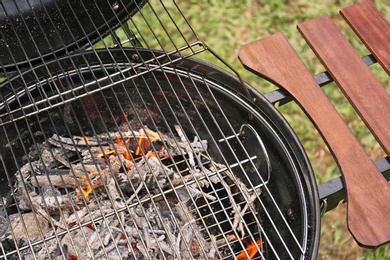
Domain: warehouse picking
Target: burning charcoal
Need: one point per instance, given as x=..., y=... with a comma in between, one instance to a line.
x=184, y=196
x=150, y=172
x=126, y=189
x=143, y=251
x=77, y=243
x=65, y=143
x=143, y=199
x=49, y=250
x=26, y=226
x=64, y=254
x=198, y=145
x=60, y=181
x=51, y=201
x=3, y=225
x=51, y=197
x=84, y=141
x=158, y=173
x=25, y=170
x=27, y=200
x=112, y=190
x=184, y=239
x=172, y=145
x=94, y=240
x=30, y=254
x=46, y=157
x=118, y=163
x=110, y=249
x=237, y=211
x=115, y=255
x=197, y=193
x=185, y=145
x=212, y=176
x=78, y=215
x=213, y=250
x=164, y=246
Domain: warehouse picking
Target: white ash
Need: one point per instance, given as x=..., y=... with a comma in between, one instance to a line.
x=129, y=212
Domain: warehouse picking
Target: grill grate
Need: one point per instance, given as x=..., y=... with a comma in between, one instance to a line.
x=148, y=37
x=111, y=149
x=212, y=209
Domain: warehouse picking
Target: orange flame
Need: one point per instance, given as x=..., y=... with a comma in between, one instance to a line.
x=121, y=148
x=106, y=153
x=143, y=141
x=127, y=154
x=251, y=250
x=86, y=189
x=152, y=155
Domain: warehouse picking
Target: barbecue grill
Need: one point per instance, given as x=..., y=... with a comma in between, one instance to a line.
x=128, y=148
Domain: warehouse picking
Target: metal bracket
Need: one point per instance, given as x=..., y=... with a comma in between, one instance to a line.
x=333, y=191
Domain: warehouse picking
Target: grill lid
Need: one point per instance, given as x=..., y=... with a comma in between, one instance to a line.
x=32, y=31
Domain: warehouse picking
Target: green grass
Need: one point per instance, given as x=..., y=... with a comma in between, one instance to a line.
x=225, y=26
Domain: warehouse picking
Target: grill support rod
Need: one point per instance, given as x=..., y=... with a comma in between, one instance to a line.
x=322, y=79
x=332, y=192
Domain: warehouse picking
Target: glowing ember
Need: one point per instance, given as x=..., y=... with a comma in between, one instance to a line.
x=143, y=141
x=107, y=153
x=86, y=187
x=121, y=146
x=122, y=168
x=251, y=250
x=120, y=149
x=87, y=190
x=143, y=145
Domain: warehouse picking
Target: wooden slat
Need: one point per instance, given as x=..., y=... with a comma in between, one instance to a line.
x=372, y=28
x=351, y=74
x=368, y=191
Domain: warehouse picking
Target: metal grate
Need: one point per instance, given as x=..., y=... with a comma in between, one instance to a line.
x=123, y=147
x=155, y=36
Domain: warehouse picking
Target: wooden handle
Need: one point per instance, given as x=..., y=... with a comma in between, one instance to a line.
x=351, y=74
x=368, y=191
x=372, y=28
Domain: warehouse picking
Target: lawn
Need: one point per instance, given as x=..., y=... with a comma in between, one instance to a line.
x=226, y=25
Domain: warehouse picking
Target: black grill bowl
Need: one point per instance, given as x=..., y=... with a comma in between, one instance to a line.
x=204, y=100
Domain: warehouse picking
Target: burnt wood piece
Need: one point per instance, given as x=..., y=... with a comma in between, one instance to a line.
x=372, y=28
x=368, y=192
x=351, y=74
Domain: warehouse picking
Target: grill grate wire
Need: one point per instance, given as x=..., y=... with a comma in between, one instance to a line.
x=40, y=99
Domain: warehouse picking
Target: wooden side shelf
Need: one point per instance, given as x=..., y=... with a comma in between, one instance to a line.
x=274, y=59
